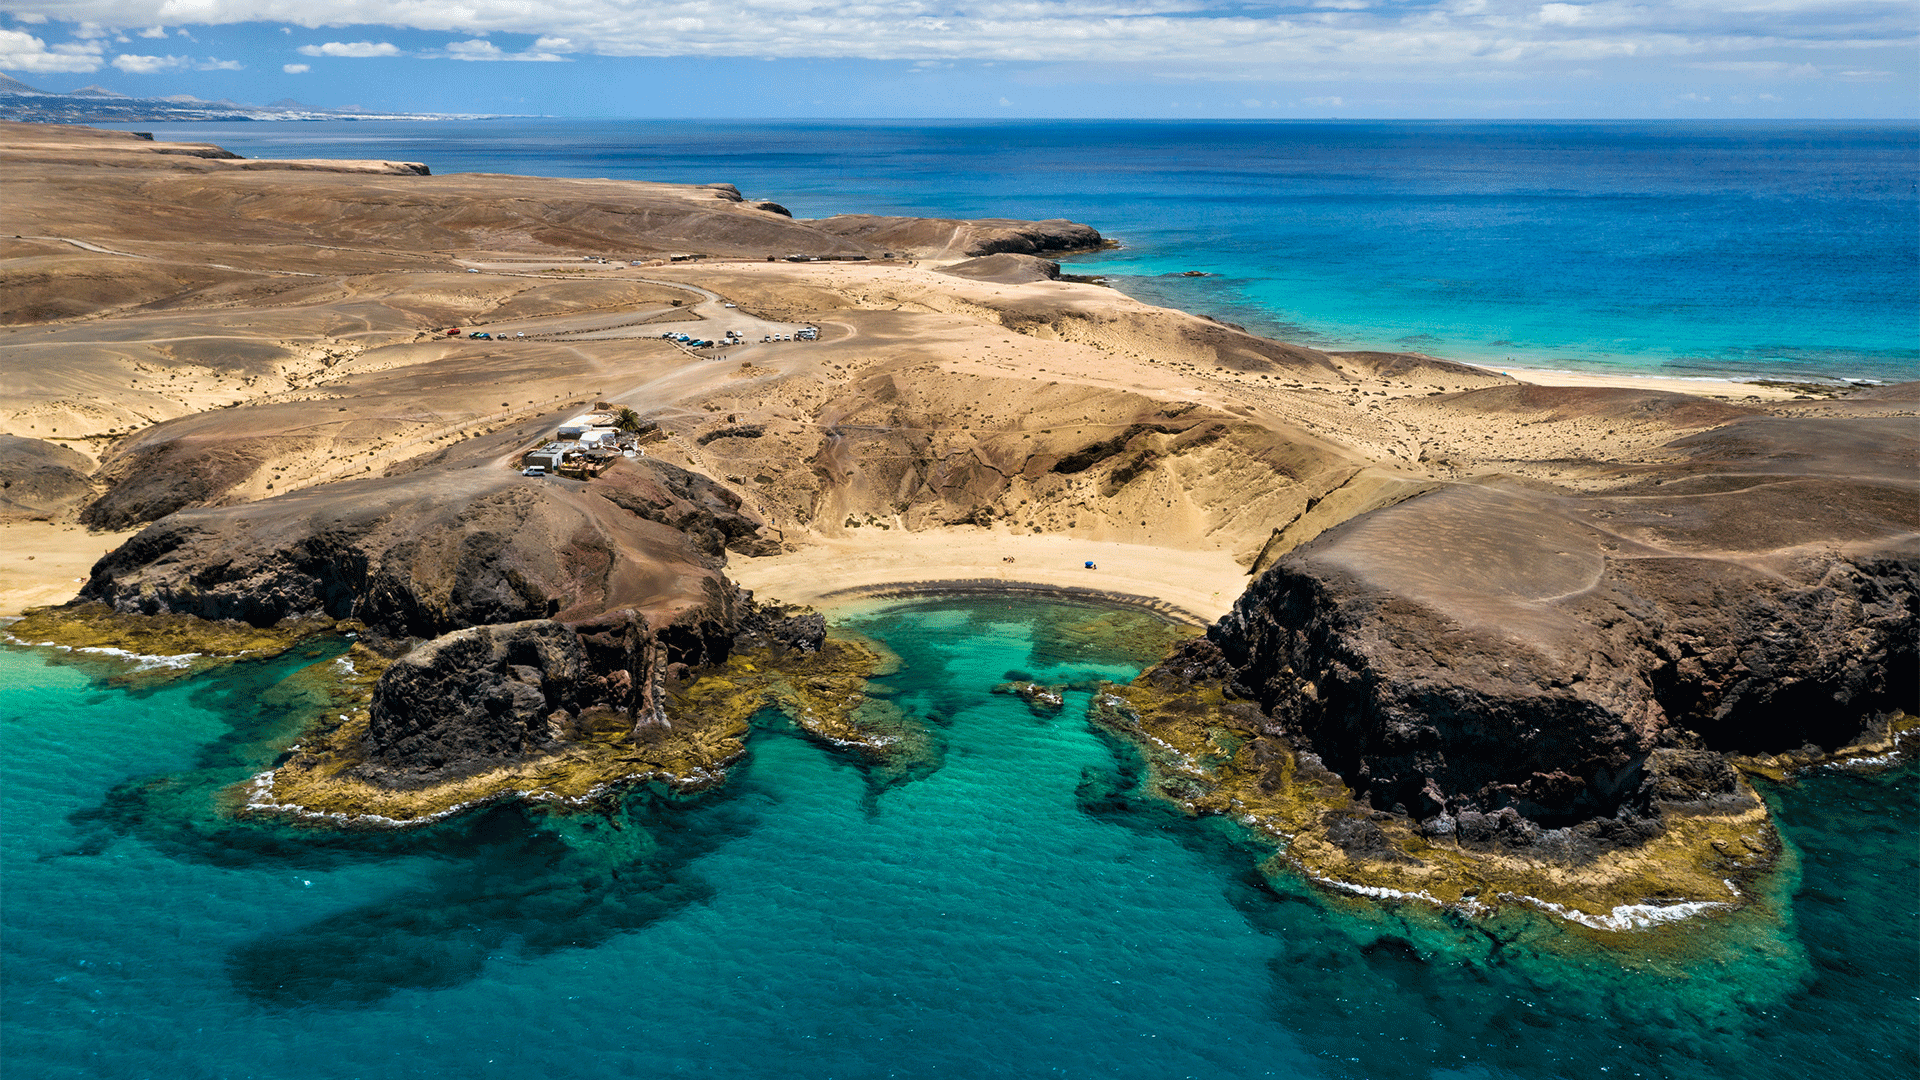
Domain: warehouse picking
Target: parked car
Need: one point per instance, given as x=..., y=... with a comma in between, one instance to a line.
x=534, y=470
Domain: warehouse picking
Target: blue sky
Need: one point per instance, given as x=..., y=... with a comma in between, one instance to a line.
x=1011, y=58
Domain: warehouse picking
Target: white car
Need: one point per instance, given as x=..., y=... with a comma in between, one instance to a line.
x=534, y=470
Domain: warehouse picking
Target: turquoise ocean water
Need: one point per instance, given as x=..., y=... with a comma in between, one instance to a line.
x=1744, y=249
x=1011, y=908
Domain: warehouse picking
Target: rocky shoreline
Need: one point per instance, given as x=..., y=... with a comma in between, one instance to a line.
x=1491, y=640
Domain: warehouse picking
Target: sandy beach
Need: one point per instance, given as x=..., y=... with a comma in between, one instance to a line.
x=1193, y=585
x=1722, y=389
x=43, y=562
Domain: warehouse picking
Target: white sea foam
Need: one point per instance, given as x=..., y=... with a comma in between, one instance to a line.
x=144, y=661
x=1865, y=761
x=1468, y=905
x=141, y=661
x=1623, y=917
x=1628, y=916
x=260, y=800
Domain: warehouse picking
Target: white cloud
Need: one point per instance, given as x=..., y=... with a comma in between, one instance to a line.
x=357, y=49
x=1211, y=39
x=1322, y=101
x=482, y=49
x=296, y=69
x=24, y=52
x=1562, y=14
x=1775, y=69
x=31, y=18
x=154, y=32
x=477, y=49
x=211, y=64
x=149, y=65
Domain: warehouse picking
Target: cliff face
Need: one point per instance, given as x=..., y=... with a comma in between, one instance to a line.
x=1484, y=648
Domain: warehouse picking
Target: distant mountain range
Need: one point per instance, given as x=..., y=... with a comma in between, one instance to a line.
x=97, y=104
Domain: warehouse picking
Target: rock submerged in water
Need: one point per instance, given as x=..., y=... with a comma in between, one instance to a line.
x=1043, y=701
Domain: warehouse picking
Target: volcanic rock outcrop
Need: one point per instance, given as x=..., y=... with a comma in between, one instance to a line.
x=945, y=237
x=1479, y=649
x=592, y=579
x=480, y=694
x=1006, y=268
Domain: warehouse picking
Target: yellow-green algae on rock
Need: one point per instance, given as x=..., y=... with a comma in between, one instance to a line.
x=1884, y=739
x=198, y=644
x=1206, y=754
x=708, y=719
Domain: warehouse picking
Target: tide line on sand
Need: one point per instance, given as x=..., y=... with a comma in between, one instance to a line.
x=903, y=590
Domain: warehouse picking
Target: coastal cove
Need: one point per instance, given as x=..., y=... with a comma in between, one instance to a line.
x=583, y=623
x=1678, y=250
x=1016, y=907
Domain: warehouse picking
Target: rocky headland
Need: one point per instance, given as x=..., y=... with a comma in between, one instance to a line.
x=1472, y=639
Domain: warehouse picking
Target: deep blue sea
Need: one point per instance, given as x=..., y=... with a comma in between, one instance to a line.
x=1009, y=908
x=1744, y=249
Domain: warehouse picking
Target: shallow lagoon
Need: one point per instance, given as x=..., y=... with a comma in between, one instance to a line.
x=1009, y=908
